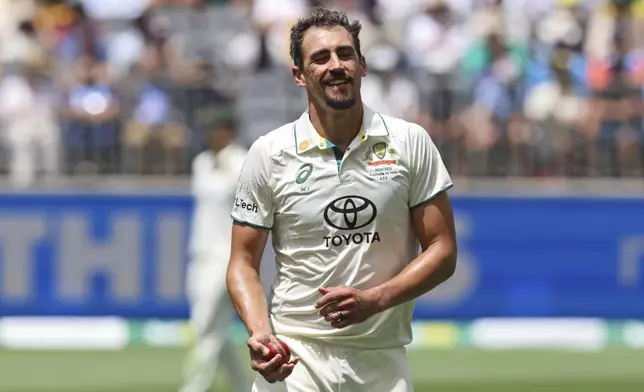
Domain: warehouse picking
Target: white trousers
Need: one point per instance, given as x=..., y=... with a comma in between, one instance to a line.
x=211, y=315
x=325, y=368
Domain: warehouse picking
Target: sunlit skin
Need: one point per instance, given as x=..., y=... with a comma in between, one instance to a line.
x=329, y=57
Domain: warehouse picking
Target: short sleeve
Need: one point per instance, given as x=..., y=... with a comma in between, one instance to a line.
x=253, y=202
x=429, y=177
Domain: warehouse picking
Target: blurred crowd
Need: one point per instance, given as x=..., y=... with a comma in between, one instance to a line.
x=505, y=87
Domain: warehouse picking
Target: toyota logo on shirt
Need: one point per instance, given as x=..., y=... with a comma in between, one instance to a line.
x=350, y=213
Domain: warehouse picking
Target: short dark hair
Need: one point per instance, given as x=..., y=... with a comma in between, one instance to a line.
x=325, y=18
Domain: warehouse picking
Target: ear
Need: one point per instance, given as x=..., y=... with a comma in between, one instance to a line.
x=299, y=76
x=363, y=64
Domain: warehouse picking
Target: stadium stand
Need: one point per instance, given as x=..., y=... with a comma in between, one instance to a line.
x=506, y=88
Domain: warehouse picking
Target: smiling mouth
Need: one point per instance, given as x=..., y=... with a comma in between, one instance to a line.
x=335, y=83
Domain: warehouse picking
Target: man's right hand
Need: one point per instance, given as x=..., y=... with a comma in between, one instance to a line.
x=271, y=369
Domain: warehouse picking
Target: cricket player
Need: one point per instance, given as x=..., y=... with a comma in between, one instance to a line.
x=361, y=225
x=214, y=179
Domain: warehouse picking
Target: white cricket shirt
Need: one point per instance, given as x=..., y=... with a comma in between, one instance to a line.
x=339, y=220
x=214, y=181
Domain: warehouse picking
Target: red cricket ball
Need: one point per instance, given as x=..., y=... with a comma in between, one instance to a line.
x=281, y=349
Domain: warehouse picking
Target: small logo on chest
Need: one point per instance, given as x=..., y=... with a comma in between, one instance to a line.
x=302, y=176
x=386, y=155
x=382, y=161
x=303, y=173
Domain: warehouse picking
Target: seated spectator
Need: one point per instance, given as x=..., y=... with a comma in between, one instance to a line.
x=496, y=133
x=617, y=81
x=152, y=141
x=557, y=106
x=91, y=122
x=436, y=40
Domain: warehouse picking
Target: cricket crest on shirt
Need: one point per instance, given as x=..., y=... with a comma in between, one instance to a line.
x=380, y=149
x=382, y=161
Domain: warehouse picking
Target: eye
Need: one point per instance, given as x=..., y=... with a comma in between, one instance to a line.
x=321, y=58
x=345, y=54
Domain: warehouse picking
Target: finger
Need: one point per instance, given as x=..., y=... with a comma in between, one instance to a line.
x=288, y=368
x=257, y=348
x=335, y=316
x=256, y=364
x=282, y=371
x=262, y=364
x=339, y=324
x=271, y=378
x=274, y=376
x=286, y=371
x=333, y=296
x=326, y=290
x=335, y=306
x=270, y=366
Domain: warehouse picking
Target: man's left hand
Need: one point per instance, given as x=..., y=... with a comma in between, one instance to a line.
x=344, y=306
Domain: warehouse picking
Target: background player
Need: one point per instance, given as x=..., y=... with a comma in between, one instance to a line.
x=348, y=195
x=214, y=177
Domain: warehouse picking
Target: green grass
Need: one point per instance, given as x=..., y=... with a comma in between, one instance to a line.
x=460, y=370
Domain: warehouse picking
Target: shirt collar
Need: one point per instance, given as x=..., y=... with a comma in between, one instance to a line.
x=307, y=138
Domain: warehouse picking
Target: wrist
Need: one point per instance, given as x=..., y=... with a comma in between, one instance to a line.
x=379, y=298
x=259, y=329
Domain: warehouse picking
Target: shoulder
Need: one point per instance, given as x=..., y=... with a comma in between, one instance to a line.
x=413, y=139
x=274, y=142
x=236, y=151
x=201, y=159
x=402, y=130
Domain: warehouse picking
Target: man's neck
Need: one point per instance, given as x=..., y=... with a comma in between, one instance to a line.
x=218, y=149
x=339, y=127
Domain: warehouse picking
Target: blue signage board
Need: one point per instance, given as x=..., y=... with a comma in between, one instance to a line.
x=125, y=255
x=93, y=254
x=544, y=257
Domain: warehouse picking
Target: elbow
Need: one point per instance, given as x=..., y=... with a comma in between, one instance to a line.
x=449, y=262
x=237, y=275
x=231, y=277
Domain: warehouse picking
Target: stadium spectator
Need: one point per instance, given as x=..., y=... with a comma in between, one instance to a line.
x=617, y=80
x=29, y=118
x=482, y=76
x=495, y=132
x=610, y=16
x=91, y=122
x=152, y=139
x=557, y=106
x=435, y=42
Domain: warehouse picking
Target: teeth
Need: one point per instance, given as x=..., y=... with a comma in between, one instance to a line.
x=337, y=82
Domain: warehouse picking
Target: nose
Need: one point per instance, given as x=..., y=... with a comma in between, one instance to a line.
x=335, y=63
